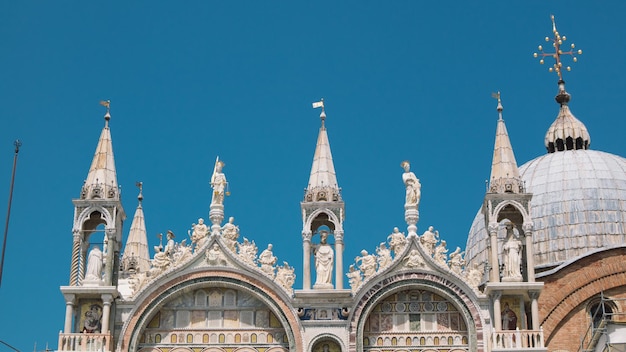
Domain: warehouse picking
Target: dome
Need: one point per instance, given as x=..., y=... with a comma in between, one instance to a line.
x=578, y=205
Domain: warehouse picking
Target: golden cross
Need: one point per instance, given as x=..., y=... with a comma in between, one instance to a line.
x=557, y=41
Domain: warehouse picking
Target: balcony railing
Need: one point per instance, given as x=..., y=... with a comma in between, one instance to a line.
x=84, y=342
x=517, y=339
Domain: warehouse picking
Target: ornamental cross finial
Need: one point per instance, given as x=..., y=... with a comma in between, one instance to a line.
x=557, y=41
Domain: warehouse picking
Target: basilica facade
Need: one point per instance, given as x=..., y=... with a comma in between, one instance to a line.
x=544, y=267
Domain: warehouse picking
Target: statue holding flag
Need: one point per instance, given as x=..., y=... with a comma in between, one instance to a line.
x=218, y=182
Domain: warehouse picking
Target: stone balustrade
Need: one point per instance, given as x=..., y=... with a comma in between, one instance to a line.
x=84, y=342
x=517, y=339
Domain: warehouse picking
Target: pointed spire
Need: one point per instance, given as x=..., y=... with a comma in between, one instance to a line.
x=136, y=256
x=566, y=132
x=505, y=176
x=101, y=182
x=323, y=180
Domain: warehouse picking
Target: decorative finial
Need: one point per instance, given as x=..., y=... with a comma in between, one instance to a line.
x=107, y=105
x=139, y=185
x=320, y=104
x=557, y=41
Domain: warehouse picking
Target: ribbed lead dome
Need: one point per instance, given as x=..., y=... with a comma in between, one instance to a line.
x=578, y=205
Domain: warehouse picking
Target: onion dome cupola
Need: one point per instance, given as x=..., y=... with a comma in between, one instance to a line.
x=323, y=212
x=136, y=257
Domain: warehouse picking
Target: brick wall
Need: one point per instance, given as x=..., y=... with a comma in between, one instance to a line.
x=564, y=301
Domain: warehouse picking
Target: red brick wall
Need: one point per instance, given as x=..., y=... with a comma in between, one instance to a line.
x=564, y=300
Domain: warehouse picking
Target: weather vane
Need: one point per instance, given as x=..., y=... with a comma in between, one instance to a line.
x=106, y=104
x=497, y=97
x=558, y=52
x=320, y=104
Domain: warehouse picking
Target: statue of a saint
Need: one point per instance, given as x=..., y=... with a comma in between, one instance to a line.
x=199, y=233
x=429, y=240
x=230, y=233
x=267, y=260
x=368, y=264
x=94, y=265
x=512, y=247
x=397, y=241
x=412, y=184
x=218, y=183
x=324, y=257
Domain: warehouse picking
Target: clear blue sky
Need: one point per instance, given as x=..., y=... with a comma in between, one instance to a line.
x=192, y=80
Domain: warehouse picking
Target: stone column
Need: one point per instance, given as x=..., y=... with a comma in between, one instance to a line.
x=339, y=259
x=306, y=260
x=534, y=309
x=69, y=312
x=497, y=310
x=106, y=312
x=530, y=252
x=494, y=275
x=75, y=258
x=109, y=254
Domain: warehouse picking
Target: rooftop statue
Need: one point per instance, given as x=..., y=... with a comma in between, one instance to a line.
x=199, y=233
x=397, y=241
x=230, y=233
x=354, y=278
x=267, y=261
x=218, y=183
x=429, y=239
x=412, y=184
x=368, y=264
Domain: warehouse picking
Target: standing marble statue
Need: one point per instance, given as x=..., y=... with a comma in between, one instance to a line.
x=429, y=240
x=368, y=264
x=230, y=233
x=512, y=248
x=412, y=184
x=397, y=241
x=267, y=260
x=218, y=183
x=324, y=257
x=199, y=232
x=94, y=265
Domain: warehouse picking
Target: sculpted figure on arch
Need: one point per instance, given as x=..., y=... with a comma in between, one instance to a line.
x=412, y=184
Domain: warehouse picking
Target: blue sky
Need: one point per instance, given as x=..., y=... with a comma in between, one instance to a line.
x=189, y=81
